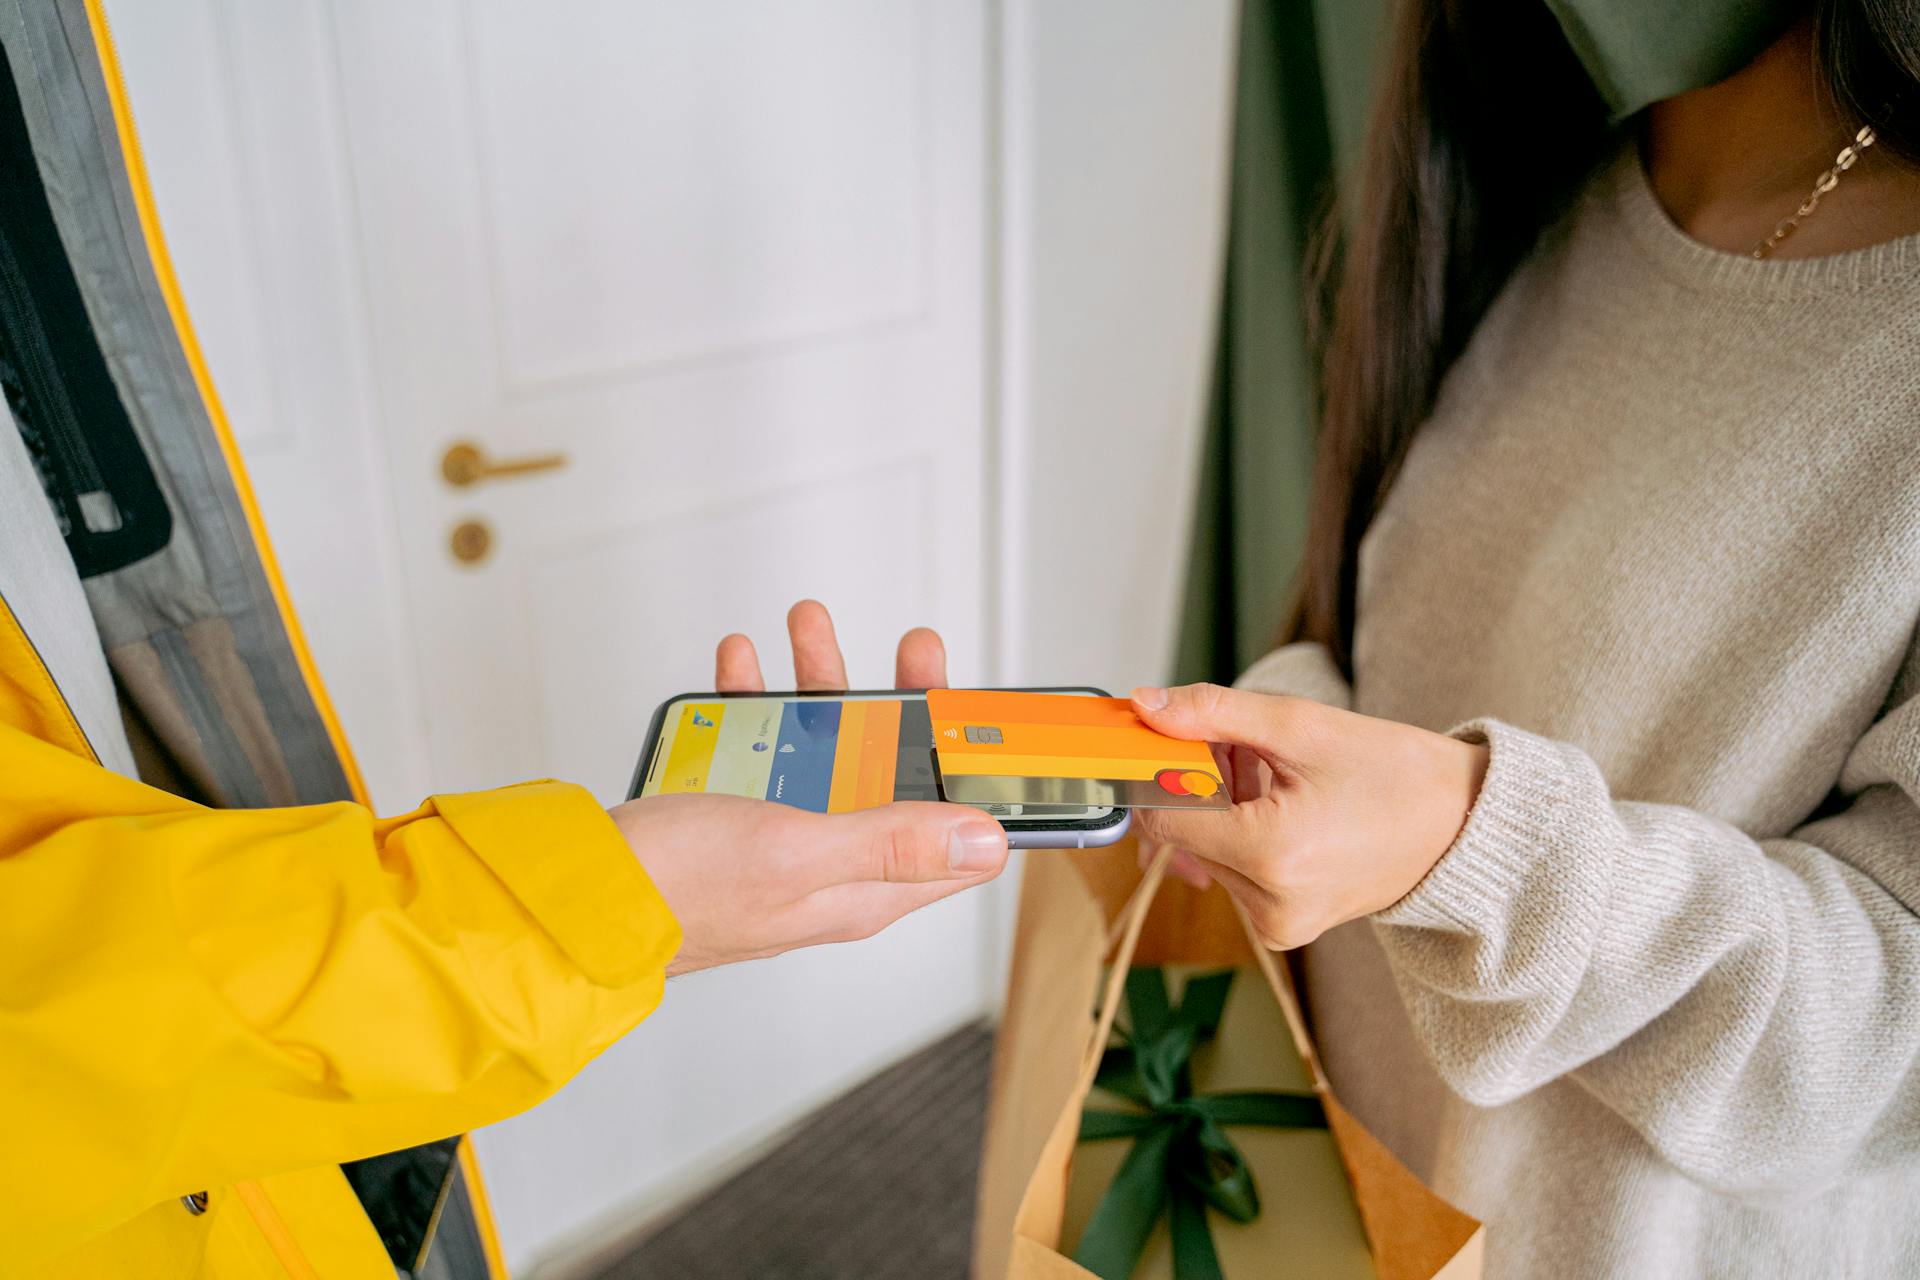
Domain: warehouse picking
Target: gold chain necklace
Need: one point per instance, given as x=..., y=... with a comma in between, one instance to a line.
x=1823, y=184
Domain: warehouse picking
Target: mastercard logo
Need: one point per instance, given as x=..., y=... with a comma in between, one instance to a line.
x=1186, y=782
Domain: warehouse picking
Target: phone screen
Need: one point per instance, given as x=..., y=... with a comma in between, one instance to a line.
x=831, y=753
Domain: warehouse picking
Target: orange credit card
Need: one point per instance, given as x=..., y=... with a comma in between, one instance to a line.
x=1062, y=749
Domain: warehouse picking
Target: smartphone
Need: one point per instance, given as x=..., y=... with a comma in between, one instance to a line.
x=835, y=752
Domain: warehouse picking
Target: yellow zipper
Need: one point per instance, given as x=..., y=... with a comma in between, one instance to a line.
x=482, y=1209
x=274, y=1230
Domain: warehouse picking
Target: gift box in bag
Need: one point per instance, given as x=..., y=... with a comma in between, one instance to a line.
x=1333, y=1201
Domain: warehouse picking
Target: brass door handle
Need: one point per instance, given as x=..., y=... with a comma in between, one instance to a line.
x=465, y=463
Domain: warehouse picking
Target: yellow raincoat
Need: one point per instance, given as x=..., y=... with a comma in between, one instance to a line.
x=204, y=1011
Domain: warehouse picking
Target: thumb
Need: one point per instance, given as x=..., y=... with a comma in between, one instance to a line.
x=1210, y=713
x=911, y=844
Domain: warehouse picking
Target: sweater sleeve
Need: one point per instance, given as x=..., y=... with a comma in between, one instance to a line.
x=1750, y=1007
x=1303, y=669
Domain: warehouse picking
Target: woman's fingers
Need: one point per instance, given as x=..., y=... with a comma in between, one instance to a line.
x=922, y=661
x=1182, y=866
x=1223, y=763
x=1263, y=909
x=817, y=663
x=1236, y=837
x=1250, y=777
x=736, y=667
x=1215, y=713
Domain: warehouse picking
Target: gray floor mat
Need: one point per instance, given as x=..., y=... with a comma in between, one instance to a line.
x=876, y=1185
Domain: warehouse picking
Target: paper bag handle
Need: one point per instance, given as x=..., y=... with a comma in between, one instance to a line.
x=1123, y=938
x=1280, y=979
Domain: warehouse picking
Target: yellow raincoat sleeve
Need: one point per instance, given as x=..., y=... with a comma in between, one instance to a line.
x=191, y=996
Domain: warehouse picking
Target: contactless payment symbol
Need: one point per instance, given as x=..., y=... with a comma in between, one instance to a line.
x=1186, y=782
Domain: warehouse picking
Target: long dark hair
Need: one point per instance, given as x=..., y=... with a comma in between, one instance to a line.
x=1486, y=128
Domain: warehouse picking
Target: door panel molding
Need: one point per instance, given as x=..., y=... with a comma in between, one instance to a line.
x=829, y=278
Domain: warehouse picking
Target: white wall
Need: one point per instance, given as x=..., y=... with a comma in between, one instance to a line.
x=1115, y=130
x=1117, y=118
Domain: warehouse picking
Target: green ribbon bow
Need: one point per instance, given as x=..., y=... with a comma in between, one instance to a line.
x=1182, y=1160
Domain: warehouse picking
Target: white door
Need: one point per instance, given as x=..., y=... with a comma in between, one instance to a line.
x=727, y=258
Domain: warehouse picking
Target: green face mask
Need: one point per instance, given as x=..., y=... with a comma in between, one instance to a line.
x=1640, y=51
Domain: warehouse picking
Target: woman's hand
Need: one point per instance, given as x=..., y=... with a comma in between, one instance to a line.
x=921, y=662
x=1335, y=815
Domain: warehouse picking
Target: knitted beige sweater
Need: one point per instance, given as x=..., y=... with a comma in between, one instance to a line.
x=1657, y=1012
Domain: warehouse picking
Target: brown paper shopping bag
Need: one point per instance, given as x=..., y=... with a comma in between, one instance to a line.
x=1079, y=914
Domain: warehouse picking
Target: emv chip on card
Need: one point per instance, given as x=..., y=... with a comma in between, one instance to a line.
x=1060, y=749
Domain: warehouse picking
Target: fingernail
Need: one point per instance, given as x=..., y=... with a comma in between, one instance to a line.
x=975, y=847
x=1149, y=697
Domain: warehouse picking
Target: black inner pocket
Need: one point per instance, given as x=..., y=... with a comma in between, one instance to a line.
x=97, y=477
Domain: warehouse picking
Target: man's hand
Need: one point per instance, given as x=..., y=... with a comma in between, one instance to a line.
x=748, y=879
x=921, y=662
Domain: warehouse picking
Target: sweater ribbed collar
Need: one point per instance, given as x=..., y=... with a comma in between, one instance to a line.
x=1630, y=195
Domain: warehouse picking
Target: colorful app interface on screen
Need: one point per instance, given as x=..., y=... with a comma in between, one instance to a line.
x=830, y=756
